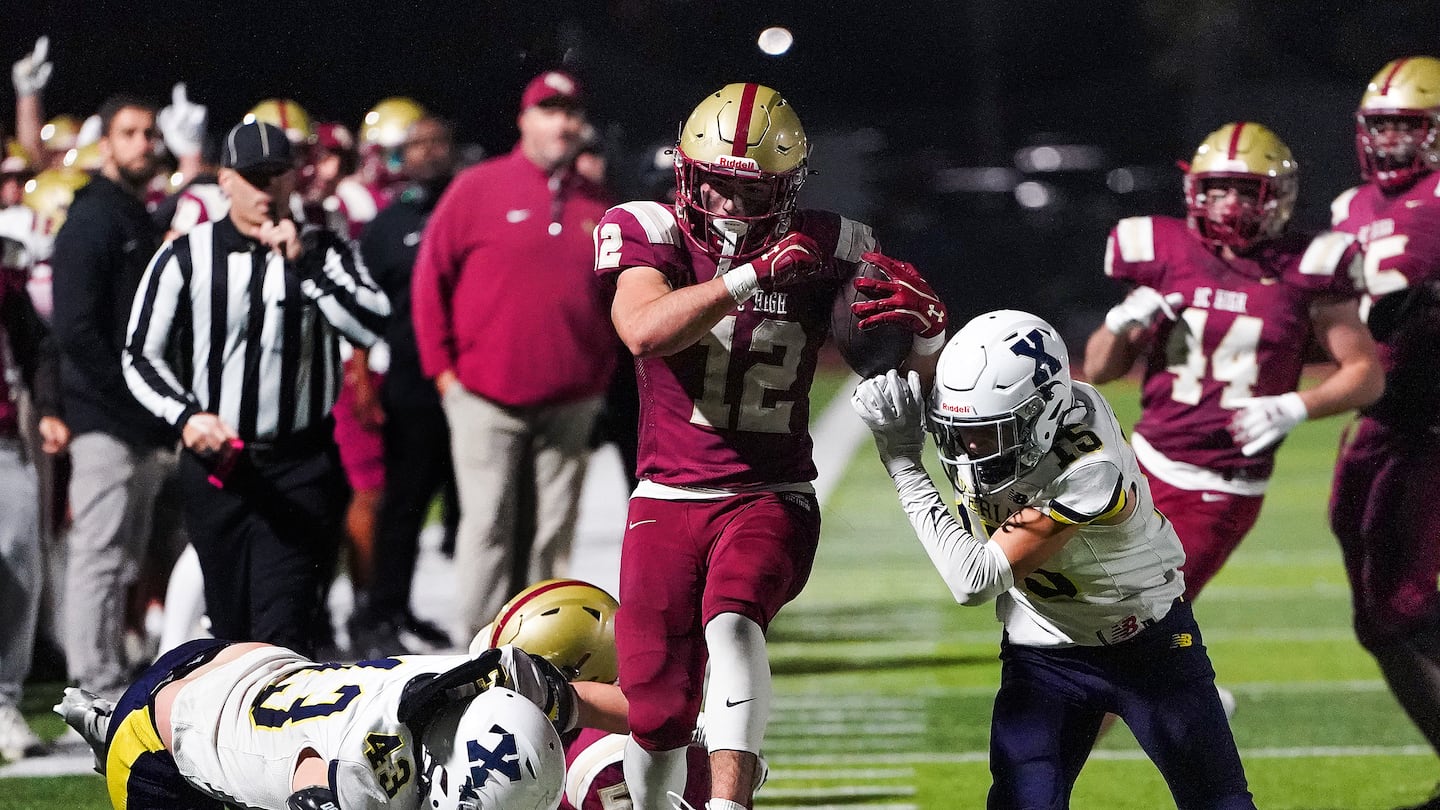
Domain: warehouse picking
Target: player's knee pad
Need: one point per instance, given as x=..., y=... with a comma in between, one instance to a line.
x=738, y=697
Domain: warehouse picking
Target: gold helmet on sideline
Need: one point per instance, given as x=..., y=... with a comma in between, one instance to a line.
x=285, y=114
x=61, y=133
x=567, y=622
x=388, y=123
x=747, y=140
x=1245, y=155
x=1405, y=93
x=49, y=195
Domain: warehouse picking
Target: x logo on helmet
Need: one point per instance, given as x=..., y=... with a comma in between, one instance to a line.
x=1033, y=347
x=504, y=759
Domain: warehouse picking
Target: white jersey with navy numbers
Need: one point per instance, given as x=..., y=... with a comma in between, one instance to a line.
x=1110, y=581
x=239, y=729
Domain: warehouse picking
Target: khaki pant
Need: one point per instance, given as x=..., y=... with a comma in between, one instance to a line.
x=490, y=445
x=112, y=496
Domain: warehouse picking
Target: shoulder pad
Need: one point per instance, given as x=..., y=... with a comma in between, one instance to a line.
x=1340, y=206
x=658, y=221
x=1135, y=239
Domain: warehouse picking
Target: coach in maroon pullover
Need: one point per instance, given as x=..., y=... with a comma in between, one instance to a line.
x=513, y=327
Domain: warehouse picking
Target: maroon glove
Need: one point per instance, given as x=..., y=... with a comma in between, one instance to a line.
x=906, y=299
x=791, y=259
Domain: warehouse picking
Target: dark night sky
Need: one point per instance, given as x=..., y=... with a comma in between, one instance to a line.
x=944, y=83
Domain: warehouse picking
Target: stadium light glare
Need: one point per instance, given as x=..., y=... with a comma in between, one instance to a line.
x=775, y=40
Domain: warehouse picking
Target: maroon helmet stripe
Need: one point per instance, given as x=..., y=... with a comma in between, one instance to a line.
x=1235, y=140
x=742, y=124
x=515, y=608
x=284, y=119
x=1390, y=77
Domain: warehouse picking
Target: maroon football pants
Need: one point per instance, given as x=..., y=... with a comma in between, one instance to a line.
x=1210, y=525
x=1382, y=512
x=682, y=564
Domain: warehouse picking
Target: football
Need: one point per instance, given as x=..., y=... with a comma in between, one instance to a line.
x=869, y=351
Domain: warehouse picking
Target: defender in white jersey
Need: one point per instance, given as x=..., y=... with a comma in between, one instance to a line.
x=214, y=724
x=1056, y=524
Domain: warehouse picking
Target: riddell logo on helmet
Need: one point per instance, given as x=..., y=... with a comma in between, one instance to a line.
x=945, y=406
x=728, y=162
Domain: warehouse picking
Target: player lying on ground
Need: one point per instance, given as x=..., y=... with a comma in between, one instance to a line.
x=215, y=723
x=1058, y=527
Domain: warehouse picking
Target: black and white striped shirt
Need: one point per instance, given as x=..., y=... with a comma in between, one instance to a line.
x=222, y=324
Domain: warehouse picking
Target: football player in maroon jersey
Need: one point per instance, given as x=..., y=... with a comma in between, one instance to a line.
x=1389, y=468
x=724, y=299
x=1223, y=306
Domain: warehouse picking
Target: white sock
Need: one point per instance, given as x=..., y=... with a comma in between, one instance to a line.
x=184, y=602
x=650, y=775
x=723, y=804
x=737, y=698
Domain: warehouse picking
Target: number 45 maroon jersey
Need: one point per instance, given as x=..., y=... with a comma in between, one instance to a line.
x=731, y=411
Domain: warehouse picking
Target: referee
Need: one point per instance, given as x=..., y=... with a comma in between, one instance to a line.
x=233, y=339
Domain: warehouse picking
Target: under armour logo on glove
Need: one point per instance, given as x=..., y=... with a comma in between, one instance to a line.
x=907, y=299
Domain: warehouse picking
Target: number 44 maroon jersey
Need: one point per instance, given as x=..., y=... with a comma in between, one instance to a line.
x=1241, y=331
x=731, y=411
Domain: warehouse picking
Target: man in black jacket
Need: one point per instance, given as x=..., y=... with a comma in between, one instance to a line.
x=416, y=436
x=120, y=452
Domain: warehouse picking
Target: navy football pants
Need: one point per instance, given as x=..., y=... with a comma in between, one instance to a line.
x=1161, y=683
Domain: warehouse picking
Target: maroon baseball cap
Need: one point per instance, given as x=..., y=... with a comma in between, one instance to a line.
x=552, y=87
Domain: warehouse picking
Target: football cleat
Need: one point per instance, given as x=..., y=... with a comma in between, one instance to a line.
x=89, y=715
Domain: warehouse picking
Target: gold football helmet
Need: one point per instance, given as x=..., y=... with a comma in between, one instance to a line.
x=567, y=622
x=285, y=114
x=60, y=133
x=1252, y=160
x=745, y=142
x=1398, y=122
x=388, y=123
x=49, y=194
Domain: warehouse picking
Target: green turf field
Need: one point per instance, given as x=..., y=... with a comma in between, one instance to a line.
x=884, y=685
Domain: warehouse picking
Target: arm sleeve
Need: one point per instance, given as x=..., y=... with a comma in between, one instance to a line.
x=152, y=316
x=975, y=570
x=336, y=280
x=82, y=296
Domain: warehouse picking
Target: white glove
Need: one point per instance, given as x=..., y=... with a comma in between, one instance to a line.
x=892, y=409
x=182, y=123
x=1263, y=421
x=32, y=71
x=1139, y=308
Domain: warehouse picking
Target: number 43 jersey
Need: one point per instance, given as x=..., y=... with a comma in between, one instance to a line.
x=240, y=729
x=1108, y=582
x=1242, y=331
x=732, y=411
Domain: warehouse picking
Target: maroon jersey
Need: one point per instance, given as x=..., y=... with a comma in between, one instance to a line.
x=1400, y=234
x=1242, y=330
x=732, y=411
x=595, y=772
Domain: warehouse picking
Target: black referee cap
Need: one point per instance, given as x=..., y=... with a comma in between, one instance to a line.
x=256, y=145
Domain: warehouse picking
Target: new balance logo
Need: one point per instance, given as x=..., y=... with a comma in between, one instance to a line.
x=1181, y=640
